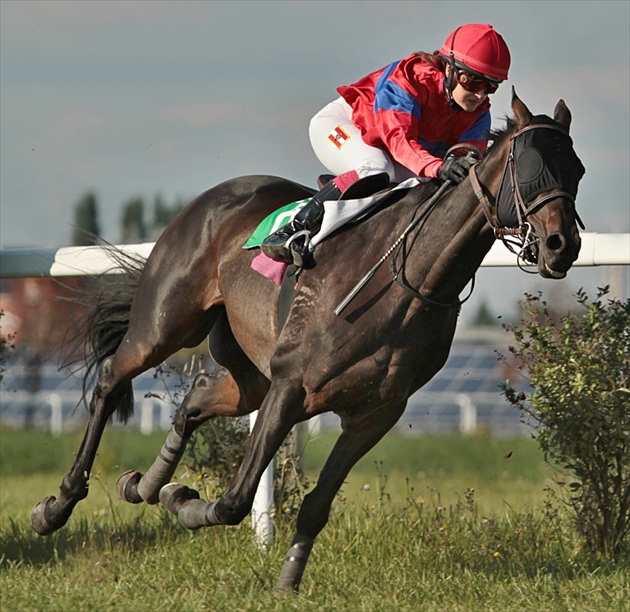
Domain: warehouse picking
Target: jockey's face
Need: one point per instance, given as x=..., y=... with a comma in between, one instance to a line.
x=466, y=99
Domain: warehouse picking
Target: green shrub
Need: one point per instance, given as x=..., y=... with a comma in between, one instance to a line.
x=579, y=369
x=214, y=453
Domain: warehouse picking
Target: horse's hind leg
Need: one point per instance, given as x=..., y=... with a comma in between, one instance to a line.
x=240, y=391
x=109, y=395
x=154, y=332
x=359, y=435
x=113, y=392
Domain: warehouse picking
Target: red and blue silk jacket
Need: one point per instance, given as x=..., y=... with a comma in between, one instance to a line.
x=403, y=108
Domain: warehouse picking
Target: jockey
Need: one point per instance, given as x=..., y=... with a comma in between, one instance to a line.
x=401, y=120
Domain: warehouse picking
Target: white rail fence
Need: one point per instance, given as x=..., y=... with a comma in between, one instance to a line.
x=597, y=250
x=57, y=411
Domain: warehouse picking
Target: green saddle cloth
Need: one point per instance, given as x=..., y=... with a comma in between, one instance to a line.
x=273, y=222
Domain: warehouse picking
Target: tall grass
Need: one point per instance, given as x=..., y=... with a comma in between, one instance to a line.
x=387, y=547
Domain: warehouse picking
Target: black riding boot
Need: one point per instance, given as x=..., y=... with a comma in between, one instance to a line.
x=290, y=242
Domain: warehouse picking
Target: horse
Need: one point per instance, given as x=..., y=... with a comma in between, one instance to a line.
x=362, y=362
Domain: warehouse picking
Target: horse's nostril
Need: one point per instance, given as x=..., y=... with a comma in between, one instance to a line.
x=555, y=242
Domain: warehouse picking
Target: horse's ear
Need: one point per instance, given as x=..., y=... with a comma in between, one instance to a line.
x=562, y=114
x=522, y=116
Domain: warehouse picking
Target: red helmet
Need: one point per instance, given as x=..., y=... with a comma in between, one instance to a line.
x=480, y=48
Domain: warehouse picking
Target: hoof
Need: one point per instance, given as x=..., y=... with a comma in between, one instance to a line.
x=174, y=495
x=40, y=524
x=127, y=487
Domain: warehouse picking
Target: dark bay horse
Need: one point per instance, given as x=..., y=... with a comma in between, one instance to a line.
x=363, y=364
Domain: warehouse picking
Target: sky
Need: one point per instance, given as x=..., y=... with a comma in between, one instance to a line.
x=144, y=98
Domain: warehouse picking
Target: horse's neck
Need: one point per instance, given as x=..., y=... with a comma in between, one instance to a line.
x=466, y=236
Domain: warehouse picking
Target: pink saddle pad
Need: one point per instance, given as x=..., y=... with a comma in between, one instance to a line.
x=270, y=268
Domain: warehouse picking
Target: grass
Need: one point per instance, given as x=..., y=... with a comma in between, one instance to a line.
x=504, y=473
x=438, y=548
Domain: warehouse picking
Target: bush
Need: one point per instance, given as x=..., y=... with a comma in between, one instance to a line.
x=214, y=453
x=579, y=369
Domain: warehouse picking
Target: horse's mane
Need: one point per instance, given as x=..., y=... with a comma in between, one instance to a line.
x=498, y=134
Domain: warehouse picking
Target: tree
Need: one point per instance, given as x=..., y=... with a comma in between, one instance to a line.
x=133, y=227
x=86, y=226
x=484, y=316
x=579, y=368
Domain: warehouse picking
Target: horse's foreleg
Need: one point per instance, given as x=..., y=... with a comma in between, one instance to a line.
x=278, y=413
x=359, y=435
x=51, y=513
x=209, y=396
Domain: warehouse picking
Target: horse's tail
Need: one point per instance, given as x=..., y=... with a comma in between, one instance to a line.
x=97, y=334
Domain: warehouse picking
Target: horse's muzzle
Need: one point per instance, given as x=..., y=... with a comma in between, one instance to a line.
x=556, y=254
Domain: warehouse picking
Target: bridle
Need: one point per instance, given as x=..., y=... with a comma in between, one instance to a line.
x=522, y=238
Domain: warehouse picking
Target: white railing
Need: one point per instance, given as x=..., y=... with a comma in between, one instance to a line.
x=61, y=410
x=597, y=250
x=19, y=417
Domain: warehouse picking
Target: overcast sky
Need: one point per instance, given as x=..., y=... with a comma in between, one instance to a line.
x=138, y=98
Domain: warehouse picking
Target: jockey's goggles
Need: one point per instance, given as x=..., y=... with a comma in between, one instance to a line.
x=475, y=83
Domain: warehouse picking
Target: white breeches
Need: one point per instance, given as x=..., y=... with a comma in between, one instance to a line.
x=338, y=144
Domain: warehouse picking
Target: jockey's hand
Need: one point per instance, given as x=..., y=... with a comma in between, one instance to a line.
x=455, y=169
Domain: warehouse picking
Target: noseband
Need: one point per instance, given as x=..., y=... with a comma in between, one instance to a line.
x=518, y=239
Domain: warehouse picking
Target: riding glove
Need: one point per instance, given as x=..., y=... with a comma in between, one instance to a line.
x=455, y=169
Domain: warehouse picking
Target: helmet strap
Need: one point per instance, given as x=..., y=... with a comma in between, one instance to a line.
x=449, y=81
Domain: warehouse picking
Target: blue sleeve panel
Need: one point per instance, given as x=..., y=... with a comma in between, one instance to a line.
x=478, y=130
x=392, y=97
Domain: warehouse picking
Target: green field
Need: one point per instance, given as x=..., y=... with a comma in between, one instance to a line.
x=422, y=523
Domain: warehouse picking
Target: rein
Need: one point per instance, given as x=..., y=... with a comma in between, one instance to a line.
x=396, y=275
x=428, y=207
